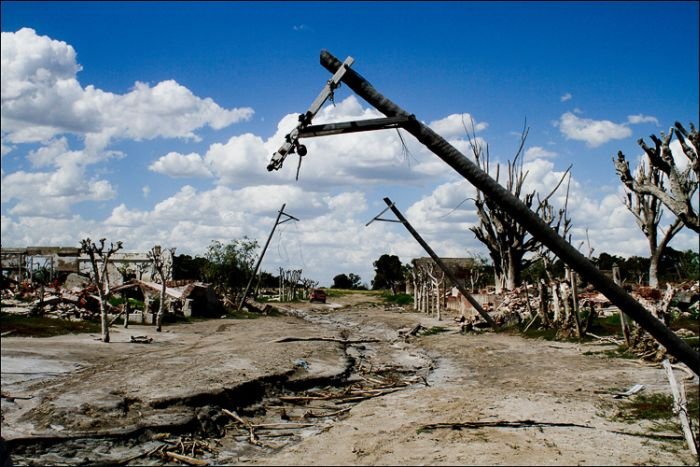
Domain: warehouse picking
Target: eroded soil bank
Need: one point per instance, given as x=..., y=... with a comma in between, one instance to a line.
x=238, y=392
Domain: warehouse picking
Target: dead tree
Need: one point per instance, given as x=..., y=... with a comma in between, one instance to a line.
x=508, y=241
x=682, y=183
x=647, y=212
x=155, y=255
x=99, y=275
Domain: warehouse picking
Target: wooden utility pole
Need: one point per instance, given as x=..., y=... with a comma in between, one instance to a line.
x=262, y=253
x=477, y=306
x=507, y=201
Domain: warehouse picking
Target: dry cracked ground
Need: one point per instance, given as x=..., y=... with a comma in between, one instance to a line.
x=335, y=384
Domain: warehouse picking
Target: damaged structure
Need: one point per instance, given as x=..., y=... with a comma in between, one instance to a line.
x=19, y=264
x=64, y=289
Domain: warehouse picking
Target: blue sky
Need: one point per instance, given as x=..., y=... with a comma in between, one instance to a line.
x=179, y=158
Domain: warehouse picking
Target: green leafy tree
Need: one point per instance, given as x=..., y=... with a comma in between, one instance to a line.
x=187, y=267
x=680, y=265
x=389, y=273
x=229, y=266
x=347, y=281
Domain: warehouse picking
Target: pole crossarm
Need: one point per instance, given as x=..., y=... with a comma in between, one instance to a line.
x=305, y=118
x=262, y=253
x=377, y=218
x=521, y=213
x=441, y=264
x=353, y=127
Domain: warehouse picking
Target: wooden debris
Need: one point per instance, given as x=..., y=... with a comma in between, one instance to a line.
x=310, y=414
x=499, y=424
x=251, y=429
x=611, y=340
x=325, y=339
x=282, y=426
x=186, y=459
x=680, y=407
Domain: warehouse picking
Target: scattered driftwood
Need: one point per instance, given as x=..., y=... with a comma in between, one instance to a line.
x=499, y=424
x=186, y=459
x=282, y=426
x=252, y=439
x=310, y=414
x=680, y=407
x=326, y=339
x=686, y=370
x=609, y=339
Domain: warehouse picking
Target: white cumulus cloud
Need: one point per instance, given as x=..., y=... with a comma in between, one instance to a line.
x=538, y=152
x=635, y=119
x=593, y=132
x=179, y=165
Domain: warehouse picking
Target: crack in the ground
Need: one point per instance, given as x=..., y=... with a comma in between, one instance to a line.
x=267, y=408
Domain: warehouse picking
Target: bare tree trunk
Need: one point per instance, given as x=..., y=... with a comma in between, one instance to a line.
x=623, y=318
x=126, y=311
x=574, y=305
x=556, y=303
x=161, y=305
x=91, y=249
x=104, y=323
x=654, y=271
x=512, y=273
x=542, y=289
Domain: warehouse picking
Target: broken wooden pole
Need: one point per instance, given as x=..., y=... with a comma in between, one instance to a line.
x=517, y=209
x=262, y=253
x=477, y=306
x=680, y=407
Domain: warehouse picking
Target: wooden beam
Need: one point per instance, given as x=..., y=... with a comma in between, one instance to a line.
x=353, y=127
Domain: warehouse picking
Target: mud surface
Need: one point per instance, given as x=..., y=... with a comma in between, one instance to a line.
x=255, y=392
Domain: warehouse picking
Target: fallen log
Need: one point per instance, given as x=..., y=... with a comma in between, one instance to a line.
x=325, y=339
x=186, y=459
x=310, y=414
x=282, y=426
x=499, y=424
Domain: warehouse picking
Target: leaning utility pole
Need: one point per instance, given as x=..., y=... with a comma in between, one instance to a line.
x=262, y=253
x=477, y=306
x=506, y=201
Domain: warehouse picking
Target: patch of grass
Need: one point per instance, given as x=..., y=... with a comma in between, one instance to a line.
x=119, y=301
x=607, y=326
x=433, y=330
x=398, y=299
x=342, y=292
x=536, y=333
x=242, y=314
x=621, y=351
x=647, y=407
x=658, y=408
x=25, y=326
x=686, y=322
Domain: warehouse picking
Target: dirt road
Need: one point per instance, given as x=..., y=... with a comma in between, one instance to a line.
x=381, y=399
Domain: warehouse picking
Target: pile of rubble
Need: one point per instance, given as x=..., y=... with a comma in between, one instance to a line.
x=522, y=307
x=29, y=299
